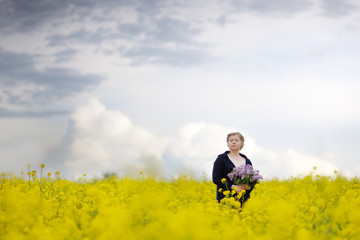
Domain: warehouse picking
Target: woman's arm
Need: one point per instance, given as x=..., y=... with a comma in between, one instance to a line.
x=217, y=174
x=217, y=171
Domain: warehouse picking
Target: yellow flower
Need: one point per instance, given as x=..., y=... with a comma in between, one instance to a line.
x=42, y=165
x=223, y=180
x=142, y=206
x=227, y=192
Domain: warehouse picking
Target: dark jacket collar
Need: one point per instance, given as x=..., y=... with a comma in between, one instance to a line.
x=225, y=157
x=225, y=154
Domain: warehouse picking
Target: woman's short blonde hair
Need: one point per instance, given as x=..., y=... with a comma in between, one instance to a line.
x=242, y=139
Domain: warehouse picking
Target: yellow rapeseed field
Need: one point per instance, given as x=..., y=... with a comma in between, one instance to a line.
x=49, y=207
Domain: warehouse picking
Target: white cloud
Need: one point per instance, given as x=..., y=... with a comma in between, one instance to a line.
x=101, y=140
x=199, y=144
x=107, y=140
x=26, y=141
x=289, y=162
x=196, y=148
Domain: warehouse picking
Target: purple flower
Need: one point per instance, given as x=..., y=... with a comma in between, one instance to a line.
x=245, y=174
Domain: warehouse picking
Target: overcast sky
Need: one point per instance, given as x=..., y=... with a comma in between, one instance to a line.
x=154, y=86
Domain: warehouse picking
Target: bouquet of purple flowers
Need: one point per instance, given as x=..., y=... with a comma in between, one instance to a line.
x=245, y=174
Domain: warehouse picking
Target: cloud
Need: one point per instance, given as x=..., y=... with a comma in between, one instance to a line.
x=254, y=56
x=198, y=145
x=26, y=16
x=163, y=56
x=26, y=141
x=65, y=55
x=146, y=34
x=99, y=140
x=286, y=8
x=151, y=8
x=290, y=162
x=338, y=8
x=24, y=84
x=165, y=41
x=82, y=36
x=158, y=33
x=162, y=40
x=283, y=7
x=5, y=113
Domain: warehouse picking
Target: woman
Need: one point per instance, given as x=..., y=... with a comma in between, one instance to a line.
x=226, y=162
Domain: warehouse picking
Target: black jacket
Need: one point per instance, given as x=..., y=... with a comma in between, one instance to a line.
x=222, y=166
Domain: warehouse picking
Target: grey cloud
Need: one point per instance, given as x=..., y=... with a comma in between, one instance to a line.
x=336, y=8
x=283, y=7
x=330, y=8
x=222, y=20
x=171, y=30
x=131, y=30
x=160, y=30
x=61, y=82
x=154, y=41
x=24, y=16
x=81, y=36
x=56, y=83
x=14, y=66
x=150, y=8
x=150, y=40
x=163, y=56
x=65, y=55
x=165, y=30
x=154, y=30
x=5, y=113
x=55, y=158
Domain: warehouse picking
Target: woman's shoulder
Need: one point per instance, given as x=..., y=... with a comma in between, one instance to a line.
x=243, y=155
x=246, y=158
x=225, y=154
x=222, y=156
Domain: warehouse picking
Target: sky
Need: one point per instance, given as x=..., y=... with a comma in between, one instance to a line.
x=120, y=87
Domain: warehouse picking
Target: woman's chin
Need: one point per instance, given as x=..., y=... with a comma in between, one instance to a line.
x=235, y=148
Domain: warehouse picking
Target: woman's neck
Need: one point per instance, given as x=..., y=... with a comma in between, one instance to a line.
x=233, y=153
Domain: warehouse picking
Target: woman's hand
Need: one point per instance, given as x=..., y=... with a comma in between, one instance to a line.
x=241, y=187
x=244, y=186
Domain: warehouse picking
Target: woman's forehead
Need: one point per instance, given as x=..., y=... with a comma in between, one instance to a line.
x=234, y=137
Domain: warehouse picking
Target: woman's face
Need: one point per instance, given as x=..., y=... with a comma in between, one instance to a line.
x=234, y=143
